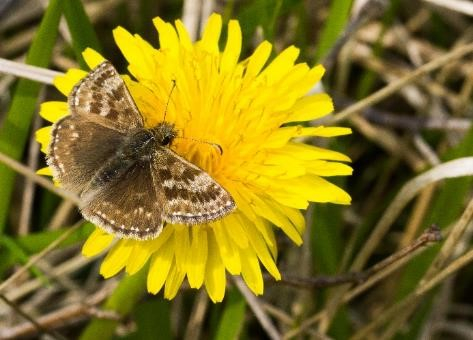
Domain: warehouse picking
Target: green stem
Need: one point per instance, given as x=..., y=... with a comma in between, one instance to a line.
x=15, y=129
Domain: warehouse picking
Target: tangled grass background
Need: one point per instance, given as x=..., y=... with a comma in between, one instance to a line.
x=394, y=263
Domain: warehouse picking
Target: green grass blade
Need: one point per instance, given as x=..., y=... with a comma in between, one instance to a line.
x=15, y=129
x=14, y=251
x=334, y=26
x=82, y=31
x=20, y=256
x=233, y=316
x=35, y=242
x=152, y=317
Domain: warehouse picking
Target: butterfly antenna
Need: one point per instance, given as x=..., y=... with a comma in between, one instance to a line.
x=169, y=99
x=215, y=145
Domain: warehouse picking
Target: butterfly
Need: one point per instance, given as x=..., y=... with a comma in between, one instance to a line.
x=129, y=181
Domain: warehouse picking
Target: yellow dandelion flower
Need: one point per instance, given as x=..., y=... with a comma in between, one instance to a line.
x=244, y=107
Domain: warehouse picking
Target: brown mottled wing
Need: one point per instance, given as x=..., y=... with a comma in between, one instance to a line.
x=104, y=93
x=189, y=195
x=78, y=149
x=127, y=207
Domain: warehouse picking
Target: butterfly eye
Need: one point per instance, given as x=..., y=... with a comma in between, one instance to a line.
x=166, y=140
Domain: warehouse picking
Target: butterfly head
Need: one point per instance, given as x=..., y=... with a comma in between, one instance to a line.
x=164, y=133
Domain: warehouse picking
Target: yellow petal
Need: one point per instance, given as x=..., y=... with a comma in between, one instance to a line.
x=322, y=131
x=267, y=231
x=65, y=83
x=162, y=239
x=92, y=57
x=290, y=200
x=173, y=282
x=280, y=66
x=276, y=217
x=261, y=249
x=310, y=107
x=314, y=189
x=168, y=40
x=142, y=251
x=116, y=258
x=46, y=171
x=232, y=50
x=251, y=271
x=138, y=53
x=294, y=215
x=197, y=262
x=227, y=249
x=53, y=111
x=184, y=37
x=97, y=242
x=236, y=232
x=257, y=60
x=324, y=168
x=159, y=267
x=211, y=33
x=181, y=246
x=214, y=273
x=320, y=190
x=308, y=153
x=43, y=136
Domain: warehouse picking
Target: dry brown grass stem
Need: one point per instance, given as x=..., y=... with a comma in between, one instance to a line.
x=446, y=252
x=395, y=261
x=257, y=308
x=39, y=74
x=42, y=181
x=60, y=317
x=34, y=259
x=455, y=168
x=64, y=268
x=197, y=317
x=388, y=141
x=395, y=86
x=376, y=273
x=401, y=307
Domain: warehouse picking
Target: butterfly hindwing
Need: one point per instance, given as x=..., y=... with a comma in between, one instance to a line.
x=190, y=195
x=103, y=92
x=127, y=206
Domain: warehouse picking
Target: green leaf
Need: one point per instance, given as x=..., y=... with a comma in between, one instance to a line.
x=15, y=129
x=82, y=33
x=233, y=316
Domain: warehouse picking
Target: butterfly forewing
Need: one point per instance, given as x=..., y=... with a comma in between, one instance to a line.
x=191, y=196
x=103, y=92
x=127, y=206
x=77, y=150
